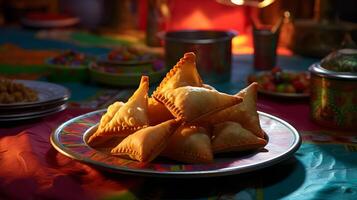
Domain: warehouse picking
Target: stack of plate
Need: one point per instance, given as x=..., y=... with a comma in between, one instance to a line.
x=52, y=98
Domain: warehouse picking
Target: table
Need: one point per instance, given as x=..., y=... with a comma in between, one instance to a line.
x=325, y=166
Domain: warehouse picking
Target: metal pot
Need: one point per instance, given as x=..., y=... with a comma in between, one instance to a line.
x=212, y=48
x=333, y=98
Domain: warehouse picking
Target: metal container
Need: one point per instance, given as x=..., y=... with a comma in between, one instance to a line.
x=265, y=43
x=212, y=48
x=333, y=98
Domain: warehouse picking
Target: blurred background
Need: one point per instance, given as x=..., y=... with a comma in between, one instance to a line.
x=77, y=56
x=321, y=25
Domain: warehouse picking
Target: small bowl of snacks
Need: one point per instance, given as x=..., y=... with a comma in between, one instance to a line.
x=69, y=66
x=282, y=83
x=105, y=73
x=124, y=67
x=334, y=90
x=129, y=59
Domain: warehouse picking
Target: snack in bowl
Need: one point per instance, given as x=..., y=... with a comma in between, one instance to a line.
x=71, y=59
x=125, y=66
x=130, y=60
x=183, y=120
x=129, y=55
x=69, y=66
x=278, y=81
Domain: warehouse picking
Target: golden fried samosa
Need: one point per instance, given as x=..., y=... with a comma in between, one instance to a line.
x=244, y=113
x=131, y=116
x=158, y=112
x=189, y=144
x=147, y=143
x=232, y=137
x=184, y=73
x=191, y=103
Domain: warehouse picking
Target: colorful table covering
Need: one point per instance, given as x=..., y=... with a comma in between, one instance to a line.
x=325, y=166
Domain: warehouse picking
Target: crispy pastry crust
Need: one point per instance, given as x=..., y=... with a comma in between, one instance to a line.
x=177, y=102
x=145, y=144
x=232, y=137
x=189, y=144
x=158, y=112
x=244, y=113
x=182, y=74
x=129, y=118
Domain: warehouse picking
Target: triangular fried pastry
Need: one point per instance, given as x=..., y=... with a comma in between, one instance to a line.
x=190, y=103
x=231, y=136
x=189, y=144
x=244, y=113
x=112, y=109
x=147, y=143
x=109, y=114
x=184, y=73
x=133, y=115
x=158, y=112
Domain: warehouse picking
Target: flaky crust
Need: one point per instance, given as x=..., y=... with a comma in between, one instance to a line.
x=158, y=112
x=130, y=117
x=189, y=144
x=190, y=103
x=145, y=144
x=232, y=137
x=244, y=113
x=184, y=73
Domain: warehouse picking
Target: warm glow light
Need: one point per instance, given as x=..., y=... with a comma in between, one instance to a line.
x=254, y=3
x=265, y=3
x=210, y=15
x=213, y=16
x=238, y=2
x=196, y=16
x=243, y=44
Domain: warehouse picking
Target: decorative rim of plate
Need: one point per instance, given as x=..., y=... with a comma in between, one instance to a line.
x=58, y=93
x=74, y=140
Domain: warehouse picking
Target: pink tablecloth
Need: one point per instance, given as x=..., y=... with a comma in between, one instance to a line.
x=32, y=169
